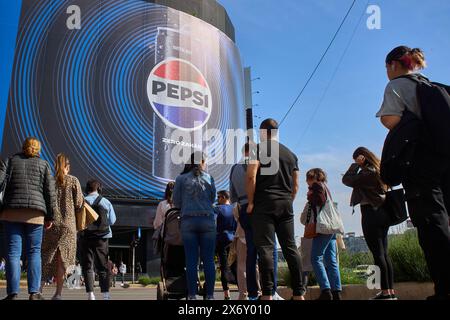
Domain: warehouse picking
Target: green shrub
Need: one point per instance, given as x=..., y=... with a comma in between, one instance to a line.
x=404, y=250
x=23, y=275
x=408, y=258
x=352, y=260
x=145, y=280
x=350, y=277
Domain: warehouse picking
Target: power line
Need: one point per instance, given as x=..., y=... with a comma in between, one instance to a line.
x=320, y=62
x=316, y=109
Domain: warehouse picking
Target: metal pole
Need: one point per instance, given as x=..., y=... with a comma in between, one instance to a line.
x=134, y=258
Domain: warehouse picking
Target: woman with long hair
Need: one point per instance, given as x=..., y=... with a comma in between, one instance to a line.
x=369, y=192
x=59, y=246
x=164, y=206
x=29, y=206
x=324, y=253
x=194, y=194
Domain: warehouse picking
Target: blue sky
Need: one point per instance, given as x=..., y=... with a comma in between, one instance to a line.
x=283, y=40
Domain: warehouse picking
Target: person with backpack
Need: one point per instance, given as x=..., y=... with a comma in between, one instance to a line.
x=94, y=241
x=369, y=191
x=164, y=206
x=59, y=246
x=417, y=154
x=194, y=194
x=28, y=207
x=226, y=229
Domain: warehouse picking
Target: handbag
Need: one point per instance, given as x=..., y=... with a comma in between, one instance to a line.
x=4, y=184
x=85, y=217
x=395, y=207
x=311, y=225
x=329, y=220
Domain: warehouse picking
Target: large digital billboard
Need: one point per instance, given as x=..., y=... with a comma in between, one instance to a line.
x=108, y=82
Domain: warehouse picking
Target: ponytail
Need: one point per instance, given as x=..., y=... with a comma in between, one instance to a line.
x=410, y=59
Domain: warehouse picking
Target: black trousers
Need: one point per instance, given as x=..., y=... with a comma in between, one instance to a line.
x=222, y=251
x=375, y=229
x=94, y=258
x=267, y=219
x=428, y=194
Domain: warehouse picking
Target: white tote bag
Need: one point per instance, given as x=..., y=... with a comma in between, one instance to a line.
x=329, y=220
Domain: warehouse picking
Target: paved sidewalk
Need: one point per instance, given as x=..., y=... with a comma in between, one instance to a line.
x=132, y=293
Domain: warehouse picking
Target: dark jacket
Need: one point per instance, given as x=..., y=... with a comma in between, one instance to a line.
x=366, y=185
x=31, y=185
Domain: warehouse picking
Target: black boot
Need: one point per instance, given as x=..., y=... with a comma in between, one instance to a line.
x=325, y=295
x=336, y=295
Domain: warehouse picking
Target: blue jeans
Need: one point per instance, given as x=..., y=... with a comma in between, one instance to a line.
x=199, y=234
x=15, y=234
x=324, y=262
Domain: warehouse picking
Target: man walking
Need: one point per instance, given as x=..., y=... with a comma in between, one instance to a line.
x=94, y=241
x=272, y=184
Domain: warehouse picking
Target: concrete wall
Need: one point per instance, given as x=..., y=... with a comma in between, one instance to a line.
x=404, y=291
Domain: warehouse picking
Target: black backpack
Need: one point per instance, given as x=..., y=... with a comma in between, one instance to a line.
x=434, y=101
x=399, y=149
x=433, y=130
x=100, y=227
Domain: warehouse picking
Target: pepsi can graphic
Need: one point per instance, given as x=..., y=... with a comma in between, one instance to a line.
x=111, y=94
x=181, y=100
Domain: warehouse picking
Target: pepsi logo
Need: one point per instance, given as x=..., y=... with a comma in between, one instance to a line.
x=179, y=94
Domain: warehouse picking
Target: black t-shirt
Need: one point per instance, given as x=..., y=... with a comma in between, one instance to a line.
x=277, y=182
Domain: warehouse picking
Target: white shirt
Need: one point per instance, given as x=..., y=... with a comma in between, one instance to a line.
x=123, y=268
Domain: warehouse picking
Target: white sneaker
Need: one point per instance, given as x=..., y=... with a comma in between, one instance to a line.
x=276, y=296
x=106, y=296
x=91, y=296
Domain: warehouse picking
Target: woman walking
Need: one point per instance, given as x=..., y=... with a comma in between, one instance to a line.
x=29, y=205
x=194, y=194
x=59, y=245
x=369, y=191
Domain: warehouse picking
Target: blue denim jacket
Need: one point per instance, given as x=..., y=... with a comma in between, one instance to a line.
x=195, y=196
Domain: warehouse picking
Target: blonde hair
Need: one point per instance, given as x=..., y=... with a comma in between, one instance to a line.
x=418, y=57
x=31, y=147
x=62, y=161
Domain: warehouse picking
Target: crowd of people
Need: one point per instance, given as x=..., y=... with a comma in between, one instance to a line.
x=40, y=211
x=263, y=207
x=246, y=221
